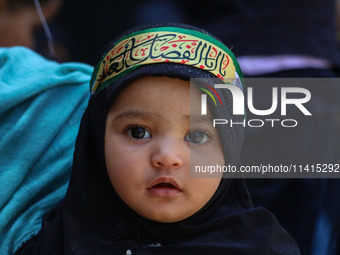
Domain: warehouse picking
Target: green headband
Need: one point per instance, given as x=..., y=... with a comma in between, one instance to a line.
x=165, y=45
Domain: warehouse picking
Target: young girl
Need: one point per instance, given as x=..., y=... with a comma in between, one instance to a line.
x=130, y=191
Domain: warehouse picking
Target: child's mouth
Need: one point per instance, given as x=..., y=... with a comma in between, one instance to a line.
x=164, y=187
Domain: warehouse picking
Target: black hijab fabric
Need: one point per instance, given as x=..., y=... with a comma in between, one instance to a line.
x=92, y=219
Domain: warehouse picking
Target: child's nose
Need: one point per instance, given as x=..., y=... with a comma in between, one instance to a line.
x=168, y=153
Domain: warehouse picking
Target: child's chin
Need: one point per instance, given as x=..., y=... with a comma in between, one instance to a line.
x=166, y=218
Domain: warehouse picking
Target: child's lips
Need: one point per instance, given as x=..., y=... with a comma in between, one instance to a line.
x=165, y=186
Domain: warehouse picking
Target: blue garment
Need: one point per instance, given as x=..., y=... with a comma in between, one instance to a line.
x=41, y=104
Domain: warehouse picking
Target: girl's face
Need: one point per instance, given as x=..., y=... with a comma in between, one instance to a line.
x=149, y=140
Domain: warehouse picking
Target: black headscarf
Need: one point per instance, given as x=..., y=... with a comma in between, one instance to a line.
x=92, y=219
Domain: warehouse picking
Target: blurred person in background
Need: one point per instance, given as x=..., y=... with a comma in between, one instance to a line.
x=24, y=23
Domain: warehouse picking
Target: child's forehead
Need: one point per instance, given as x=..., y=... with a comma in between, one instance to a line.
x=164, y=86
x=157, y=98
x=158, y=93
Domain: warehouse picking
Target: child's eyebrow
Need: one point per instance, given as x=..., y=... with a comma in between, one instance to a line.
x=195, y=119
x=136, y=114
x=199, y=119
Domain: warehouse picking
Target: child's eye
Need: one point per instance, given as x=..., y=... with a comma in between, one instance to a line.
x=197, y=137
x=138, y=132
